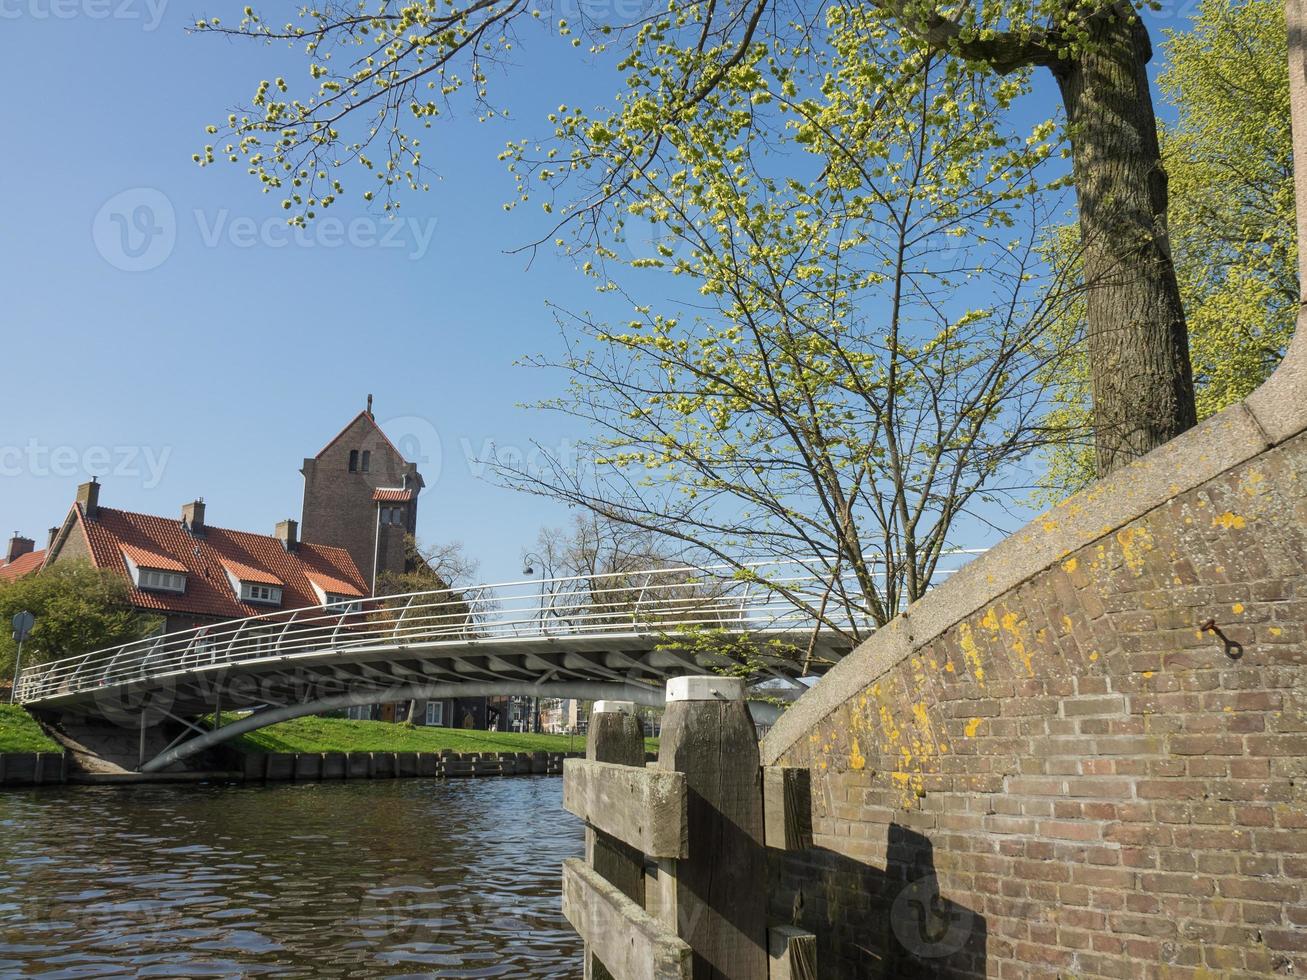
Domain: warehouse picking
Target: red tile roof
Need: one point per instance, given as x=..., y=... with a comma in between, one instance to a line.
x=335, y=586
x=205, y=558
x=392, y=496
x=150, y=559
x=245, y=573
x=20, y=566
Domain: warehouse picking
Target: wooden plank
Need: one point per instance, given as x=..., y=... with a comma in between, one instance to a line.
x=643, y=808
x=721, y=891
x=629, y=941
x=787, y=807
x=615, y=736
x=793, y=953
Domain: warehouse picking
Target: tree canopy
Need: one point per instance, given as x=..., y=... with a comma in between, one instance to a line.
x=853, y=363
x=78, y=608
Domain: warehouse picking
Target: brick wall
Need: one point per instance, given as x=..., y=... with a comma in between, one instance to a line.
x=1076, y=780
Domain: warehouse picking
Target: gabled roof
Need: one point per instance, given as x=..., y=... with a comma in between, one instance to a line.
x=334, y=586
x=367, y=416
x=142, y=558
x=206, y=558
x=244, y=573
x=20, y=566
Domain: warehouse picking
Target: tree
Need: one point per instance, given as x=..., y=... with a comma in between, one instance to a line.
x=381, y=74
x=428, y=569
x=445, y=570
x=1229, y=156
x=600, y=571
x=593, y=546
x=855, y=364
x=78, y=609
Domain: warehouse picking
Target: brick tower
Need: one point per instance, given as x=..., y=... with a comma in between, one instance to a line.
x=360, y=494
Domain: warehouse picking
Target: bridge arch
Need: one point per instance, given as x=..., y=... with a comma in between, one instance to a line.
x=642, y=694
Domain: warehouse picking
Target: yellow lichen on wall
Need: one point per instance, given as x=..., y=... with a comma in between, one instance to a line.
x=1135, y=543
x=1230, y=521
x=1012, y=626
x=969, y=652
x=1253, y=483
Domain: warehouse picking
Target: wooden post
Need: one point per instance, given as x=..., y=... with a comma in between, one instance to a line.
x=793, y=953
x=616, y=737
x=719, y=894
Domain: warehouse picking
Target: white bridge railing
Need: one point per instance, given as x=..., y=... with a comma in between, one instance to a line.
x=765, y=598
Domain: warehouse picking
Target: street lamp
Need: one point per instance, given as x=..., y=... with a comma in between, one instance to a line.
x=529, y=561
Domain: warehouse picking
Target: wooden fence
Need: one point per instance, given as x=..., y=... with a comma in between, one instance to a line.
x=674, y=882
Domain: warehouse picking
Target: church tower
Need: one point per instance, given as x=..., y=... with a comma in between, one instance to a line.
x=360, y=494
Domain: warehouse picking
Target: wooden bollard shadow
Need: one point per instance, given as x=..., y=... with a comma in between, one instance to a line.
x=878, y=924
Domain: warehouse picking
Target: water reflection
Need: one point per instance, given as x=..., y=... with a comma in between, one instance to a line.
x=389, y=878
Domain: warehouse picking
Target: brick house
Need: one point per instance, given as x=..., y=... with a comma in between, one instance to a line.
x=192, y=573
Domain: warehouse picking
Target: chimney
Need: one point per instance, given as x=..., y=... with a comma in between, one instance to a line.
x=18, y=546
x=88, y=495
x=193, y=516
x=370, y=415
x=287, y=532
x=49, y=541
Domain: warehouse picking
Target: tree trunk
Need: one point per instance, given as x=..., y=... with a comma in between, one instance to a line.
x=1138, y=342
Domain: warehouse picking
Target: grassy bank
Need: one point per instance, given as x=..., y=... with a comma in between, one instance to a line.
x=19, y=732
x=343, y=735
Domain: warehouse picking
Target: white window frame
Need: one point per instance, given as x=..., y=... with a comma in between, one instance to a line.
x=158, y=580
x=439, y=714
x=259, y=592
x=344, y=604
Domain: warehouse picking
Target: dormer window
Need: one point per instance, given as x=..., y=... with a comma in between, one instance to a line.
x=157, y=580
x=152, y=572
x=254, y=592
x=344, y=604
x=253, y=584
x=332, y=595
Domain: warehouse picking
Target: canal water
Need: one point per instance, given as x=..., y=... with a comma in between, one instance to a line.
x=394, y=878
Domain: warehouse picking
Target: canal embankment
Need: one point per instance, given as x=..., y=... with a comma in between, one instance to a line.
x=304, y=750
x=28, y=756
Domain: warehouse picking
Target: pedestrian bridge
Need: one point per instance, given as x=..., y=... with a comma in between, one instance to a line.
x=618, y=636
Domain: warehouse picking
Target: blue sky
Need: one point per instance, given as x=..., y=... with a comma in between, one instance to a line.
x=214, y=369
x=220, y=369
